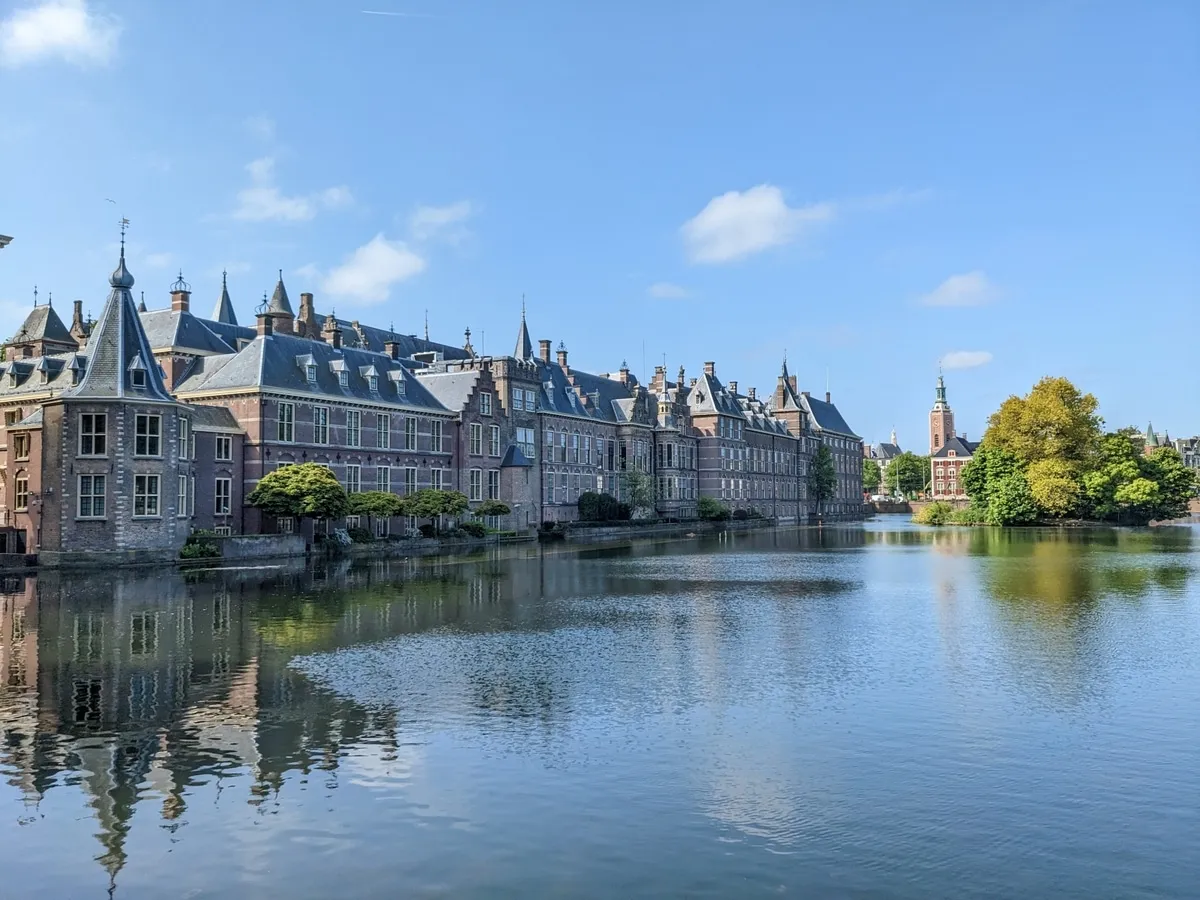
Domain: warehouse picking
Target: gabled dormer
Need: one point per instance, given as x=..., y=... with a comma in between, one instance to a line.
x=370, y=374
x=308, y=365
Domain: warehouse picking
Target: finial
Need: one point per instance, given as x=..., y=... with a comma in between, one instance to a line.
x=124, y=228
x=180, y=284
x=223, y=283
x=35, y=295
x=50, y=298
x=262, y=307
x=522, y=307
x=281, y=274
x=562, y=345
x=624, y=364
x=468, y=332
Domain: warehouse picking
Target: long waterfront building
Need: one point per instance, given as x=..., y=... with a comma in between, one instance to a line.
x=125, y=434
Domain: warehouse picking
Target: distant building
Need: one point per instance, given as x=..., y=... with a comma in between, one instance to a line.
x=948, y=452
x=1189, y=449
x=881, y=455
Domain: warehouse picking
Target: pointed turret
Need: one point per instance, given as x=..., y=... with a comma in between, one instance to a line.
x=119, y=360
x=41, y=333
x=223, y=312
x=1151, y=437
x=279, y=308
x=524, y=344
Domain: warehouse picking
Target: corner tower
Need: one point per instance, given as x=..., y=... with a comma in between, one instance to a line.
x=941, y=419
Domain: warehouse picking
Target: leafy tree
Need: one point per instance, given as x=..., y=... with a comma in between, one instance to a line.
x=1176, y=482
x=1130, y=488
x=907, y=474
x=1055, y=487
x=639, y=490
x=432, y=504
x=711, y=509
x=871, y=476
x=822, y=477
x=305, y=491
x=492, y=508
x=1052, y=421
x=1011, y=502
x=987, y=466
x=381, y=504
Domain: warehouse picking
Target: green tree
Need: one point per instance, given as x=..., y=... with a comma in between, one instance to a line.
x=1055, y=487
x=907, y=474
x=1176, y=482
x=432, y=504
x=1053, y=421
x=1011, y=502
x=712, y=509
x=381, y=504
x=492, y=508
x=638, y=489
x=822, y=477
x=306, y=491
x=987, y=466
x=871, y=476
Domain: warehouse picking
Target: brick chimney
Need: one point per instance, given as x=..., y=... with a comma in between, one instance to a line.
x=751, y=394
x=710, y=368
x=544, y=350
x=263, y=326
x=827, y=400
x=562, y=355
x=392, y=348
x=733, y=387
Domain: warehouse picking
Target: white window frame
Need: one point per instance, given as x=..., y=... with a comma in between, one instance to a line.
x=320, y=424
x=475, y=482
x=150, y=500
x=152, y=436
x=436, y=435
x=410, y=480
x=383, y=479
x=222, y=496
x=185, y=437
x=476, y=438
x=353, y=478
x=494, y=441
x=353, y=428
x=97, y=434
x=493, y=484
x=21, y=492
x=285, y=423
x=223, y=448
x=383, y=431
x=410, y=434
x=95, y=499
x=485, y=403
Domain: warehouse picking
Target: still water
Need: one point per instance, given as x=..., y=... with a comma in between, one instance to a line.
x=884, y=712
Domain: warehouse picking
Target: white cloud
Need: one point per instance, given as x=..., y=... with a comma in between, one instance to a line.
x=58, y=29
x=157, y=260
x=263, y=201
x=445, y=222
x=261, y=127
x=738, y=224
x=664, y=290
x=968, y=289
x=966, y=359
x=369, y=272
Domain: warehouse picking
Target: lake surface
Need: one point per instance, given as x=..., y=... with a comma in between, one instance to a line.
x=876, y=712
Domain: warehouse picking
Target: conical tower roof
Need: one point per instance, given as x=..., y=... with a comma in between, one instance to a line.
x=524, y=344
x=279, y=305
x=223, y=311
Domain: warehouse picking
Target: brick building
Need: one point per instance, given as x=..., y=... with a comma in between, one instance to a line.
x=948, y=452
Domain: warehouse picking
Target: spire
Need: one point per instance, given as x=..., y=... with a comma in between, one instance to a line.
x=894, y=442
x=1151, y=437
x=427, y=325
x=120, y=276
x=784, y=372
x=467, y=345
x=223, y=312
x=941, y=389
x=142, y=303
x=524, y=344
x=279, y=304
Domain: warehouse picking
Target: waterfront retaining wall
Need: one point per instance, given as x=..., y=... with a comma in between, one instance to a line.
x=259, y=546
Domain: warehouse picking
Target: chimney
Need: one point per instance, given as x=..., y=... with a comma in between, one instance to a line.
x=710, y=368
x=307, y=316
x=562, y=355
x=827, y=400
x=181, y=294
x=751, y=394
x=733, y=387
x=693, y=384
x=805, y=394
x=264, y=325
x=792, y=384
x=544, y=350
x=392, y=348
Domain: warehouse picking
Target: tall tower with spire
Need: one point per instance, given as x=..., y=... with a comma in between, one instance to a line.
x=941, y=418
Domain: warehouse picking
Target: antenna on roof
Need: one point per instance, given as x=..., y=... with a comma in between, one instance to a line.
x=427, y=324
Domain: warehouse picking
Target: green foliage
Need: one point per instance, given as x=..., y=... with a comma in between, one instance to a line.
x=936, y=513
x=638, y=488
x=1052, y=421
x=712, y=510
x=492, y=508
x=987, y=466
x=430, y=503
x=1055, y=487
x=304, y=491
x=199, y=550
x=969, y=515
x=382, y=504
x=822, y=477
x=361, y=535
x=1176, y=482
x=1011, y=502
x=1130, y=488
x=907, y=474
x=871, y=476
x=595, y=507
x=474, y=529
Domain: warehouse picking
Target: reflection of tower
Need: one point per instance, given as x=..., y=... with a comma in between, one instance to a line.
x=941, y=419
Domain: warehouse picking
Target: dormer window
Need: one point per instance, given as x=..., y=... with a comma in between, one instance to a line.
x=950, y=453
x=344, y=378
x=373, y=383
x=311, y=372
x=137, y=372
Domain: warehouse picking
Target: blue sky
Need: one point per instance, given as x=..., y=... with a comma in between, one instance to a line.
x=1009, y=187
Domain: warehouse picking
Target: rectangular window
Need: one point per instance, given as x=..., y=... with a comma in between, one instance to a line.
x=320, y=424
x=286, y=423
x=410, y=434
x=525, y=440
x=575, y=448
x=564, y=489
x=145, y=495
x=382, y=527
x=587, y=450
x=93, y=434
x=493, y=484
x=410, y=479
x=518, y=399
x=185, y=432
x=21, y=445
x=383, y=431
x=383, y=479
x=549, y=445
x=437, y=479
x=476, y=439
x=530, y=401
x=91, y=496
x=435, y=435
x=181, y=498
x=476, y=483
x=353, y=479
x=353, y=428
x=12, y=417
x=147, y=436
x=222, y=530
x=287, y=524
x=21, y=492
x=224, y=448
x=549, y=487
x=493, y=440
x=223, y=496
x=485, y=403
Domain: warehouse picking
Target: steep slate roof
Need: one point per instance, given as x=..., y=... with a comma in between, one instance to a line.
x=960, y=447
x=118, y=345
x=33, y=420
x=279, y=303
x=791, y=400
x=223, y=311
x=562, y=398
x=277, y=361
x=230, y=334
x=43, y=323
x=410, y=344
x=826, y=416
x=24, y=375
x=514, y=457
x=524, y=344
x=709, y=395
x=214, y=418
x=888, y=451
x=169, y=329
x=452, y=389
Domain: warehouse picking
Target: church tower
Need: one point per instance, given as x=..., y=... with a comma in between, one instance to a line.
x=941, y=419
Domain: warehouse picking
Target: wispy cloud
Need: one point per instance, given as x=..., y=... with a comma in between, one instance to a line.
x=968, y=289
x=260, y=127
x=58, y=29
x=368, y=274
x=446, y=223
x=966, y=359
x=263, y=201
x=664, y=290
x=738, y=224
